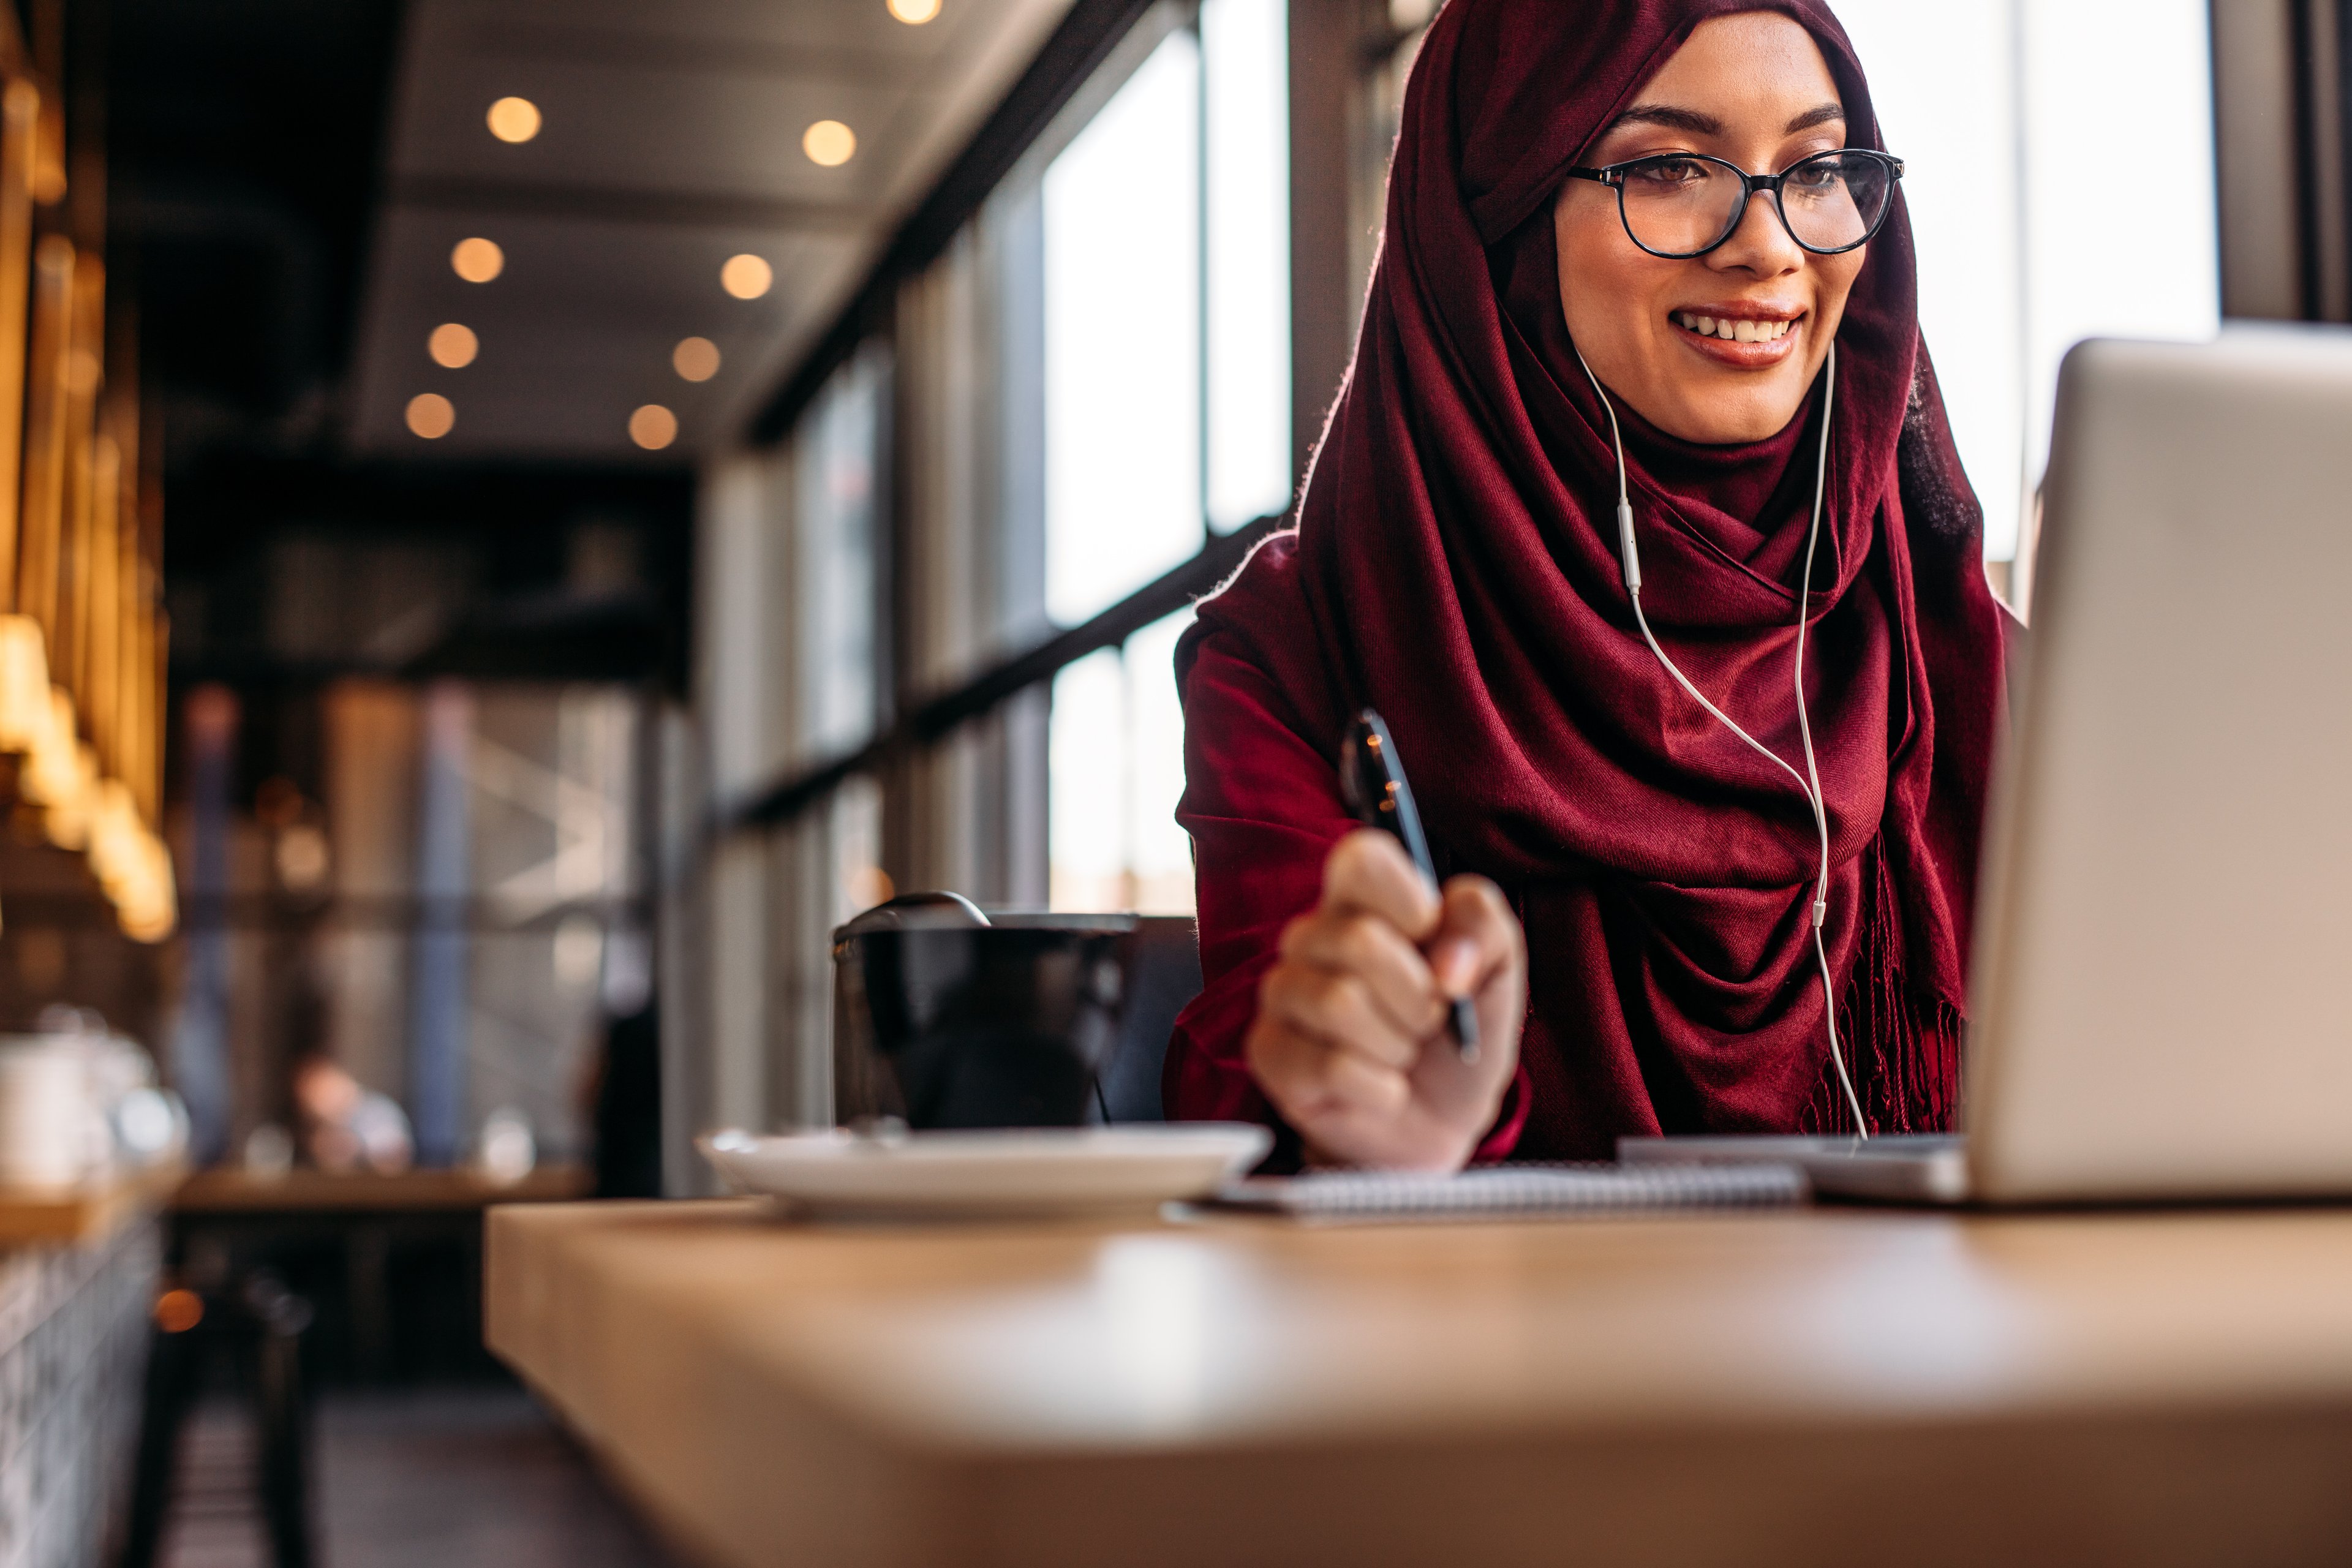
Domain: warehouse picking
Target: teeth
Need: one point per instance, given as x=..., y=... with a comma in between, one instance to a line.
x=1731, y=330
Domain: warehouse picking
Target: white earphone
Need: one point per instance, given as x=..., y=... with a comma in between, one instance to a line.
x=1809, y=781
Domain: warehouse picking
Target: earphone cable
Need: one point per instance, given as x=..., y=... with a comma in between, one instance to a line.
x=1811, y=789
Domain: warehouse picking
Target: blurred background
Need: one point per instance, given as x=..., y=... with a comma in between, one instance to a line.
x=517, y=518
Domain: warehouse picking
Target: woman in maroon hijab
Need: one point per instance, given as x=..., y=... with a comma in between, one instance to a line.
x=1631, y=890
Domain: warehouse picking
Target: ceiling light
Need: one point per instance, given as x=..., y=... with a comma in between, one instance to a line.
x=746, y=277
x=653, y=426
x=829, y=143
x=914, y=13
x=695, y=359
x=431, y=416
x=453, y=346
x=477, y=260
x=514, y=120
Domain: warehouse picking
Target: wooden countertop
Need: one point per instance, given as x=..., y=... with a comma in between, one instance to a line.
x=85, y=1214
x=228, y=1190
x=1810, y=1387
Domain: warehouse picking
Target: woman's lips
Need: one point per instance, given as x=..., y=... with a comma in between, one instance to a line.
x=1755, y=342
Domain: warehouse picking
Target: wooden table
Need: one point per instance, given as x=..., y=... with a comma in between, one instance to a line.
x=361, y=1217
x=227, y=1190
x=1810, y=1387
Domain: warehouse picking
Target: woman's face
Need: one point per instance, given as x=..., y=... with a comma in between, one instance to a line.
x=1754, y=90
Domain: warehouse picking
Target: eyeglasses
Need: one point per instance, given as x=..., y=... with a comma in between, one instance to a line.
x=1681, y=205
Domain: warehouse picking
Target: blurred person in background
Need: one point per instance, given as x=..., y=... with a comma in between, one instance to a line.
x=341, y=1125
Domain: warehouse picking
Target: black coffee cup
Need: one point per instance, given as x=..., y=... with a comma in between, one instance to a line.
x=947, y=1018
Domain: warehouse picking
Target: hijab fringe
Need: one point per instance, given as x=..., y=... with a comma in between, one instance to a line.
x=1905, y=1047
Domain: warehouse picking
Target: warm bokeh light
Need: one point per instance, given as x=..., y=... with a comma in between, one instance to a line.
x=477, y=260
x=431, y=416
x=514, y=120
x=829, y=142
x=177, y=1311
x=746, y=277
x=453, y=346
x=914, y=13
x=653, y=426
x=695, y=359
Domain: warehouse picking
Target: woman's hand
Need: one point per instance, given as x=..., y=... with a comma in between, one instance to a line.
x=1350, y=1040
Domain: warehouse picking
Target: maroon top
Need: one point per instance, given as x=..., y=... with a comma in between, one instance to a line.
x=1455, y=567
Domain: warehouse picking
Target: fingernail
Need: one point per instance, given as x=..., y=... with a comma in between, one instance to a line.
x=1457, y=967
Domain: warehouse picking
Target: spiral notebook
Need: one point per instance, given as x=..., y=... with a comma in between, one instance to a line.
x=1528, y=1191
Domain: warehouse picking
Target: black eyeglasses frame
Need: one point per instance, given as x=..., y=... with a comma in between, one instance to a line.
x=1614, y=175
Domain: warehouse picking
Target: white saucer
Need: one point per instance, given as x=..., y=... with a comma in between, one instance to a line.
x=1043, y=1171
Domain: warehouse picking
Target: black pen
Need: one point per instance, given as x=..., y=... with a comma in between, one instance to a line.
x=1371, y=777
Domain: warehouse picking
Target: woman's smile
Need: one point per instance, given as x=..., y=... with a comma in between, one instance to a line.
x=1745, y=336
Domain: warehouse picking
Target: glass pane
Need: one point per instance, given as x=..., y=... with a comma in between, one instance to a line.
x=1985, y=101
x=1087, y=756
x=1123, y=341
x=1245, y=44
x=2155, y=74
x=1944, y=83
x=833, y=586
x=1117, y=751
x=1160, y=853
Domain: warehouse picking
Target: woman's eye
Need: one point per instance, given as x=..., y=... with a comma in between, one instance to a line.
x=1667, y=173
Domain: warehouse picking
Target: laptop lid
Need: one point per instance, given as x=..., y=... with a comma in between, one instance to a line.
x=2159, y=1003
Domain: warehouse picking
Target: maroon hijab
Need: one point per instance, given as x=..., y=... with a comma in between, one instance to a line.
x=1455, y=566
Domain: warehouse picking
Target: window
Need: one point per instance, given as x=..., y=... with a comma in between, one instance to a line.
x=2024, y=199
x=1167, y=295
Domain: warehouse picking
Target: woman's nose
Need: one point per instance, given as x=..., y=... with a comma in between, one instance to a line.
x=1761, y=244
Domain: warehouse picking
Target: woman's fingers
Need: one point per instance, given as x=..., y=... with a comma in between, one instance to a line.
x=1336, y=1008
x=1369, y=872
x=1391, y=969
x=1313, y=1082
x=1478, y=937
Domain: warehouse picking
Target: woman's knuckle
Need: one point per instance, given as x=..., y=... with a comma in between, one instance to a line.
x=1347, y=996
x=1361, y=942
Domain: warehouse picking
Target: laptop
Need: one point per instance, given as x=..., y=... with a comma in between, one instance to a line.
x=2159, y=1005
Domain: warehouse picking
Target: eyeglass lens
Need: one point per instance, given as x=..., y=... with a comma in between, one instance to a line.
x=1682, y=205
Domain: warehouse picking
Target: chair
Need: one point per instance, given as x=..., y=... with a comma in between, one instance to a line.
x=259, y=1327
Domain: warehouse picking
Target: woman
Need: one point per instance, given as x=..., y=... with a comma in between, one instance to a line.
x=1630, y=889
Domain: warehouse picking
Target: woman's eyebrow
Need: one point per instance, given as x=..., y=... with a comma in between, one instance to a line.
x=1699, y=123
x=1674, y=119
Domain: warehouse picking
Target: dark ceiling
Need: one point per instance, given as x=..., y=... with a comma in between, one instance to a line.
x=245, y=150
x=285, y=179
x=246, y=145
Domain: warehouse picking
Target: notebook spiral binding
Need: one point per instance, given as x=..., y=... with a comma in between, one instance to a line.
x=1520, y=1191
